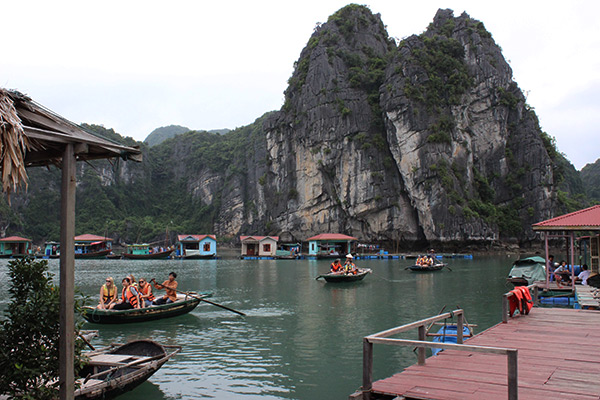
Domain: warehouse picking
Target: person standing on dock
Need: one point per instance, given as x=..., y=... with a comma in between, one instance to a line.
x=170, y=286
x=550, y=265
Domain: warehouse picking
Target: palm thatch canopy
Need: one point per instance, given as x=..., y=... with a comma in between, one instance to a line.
x=32, y=135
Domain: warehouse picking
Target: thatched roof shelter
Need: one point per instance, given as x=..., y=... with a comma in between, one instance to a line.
x=32, y=135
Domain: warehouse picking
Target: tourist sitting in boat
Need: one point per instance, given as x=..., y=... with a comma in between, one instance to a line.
x=170, y=286
x=108, y=294
x=130, y=298
x=336, y=266
x=349, y=267
x=146, y=295
x=132, y=280
x=429, y=261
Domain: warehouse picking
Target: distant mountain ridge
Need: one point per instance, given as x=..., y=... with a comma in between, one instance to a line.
x=426, y=141
x=163, y=133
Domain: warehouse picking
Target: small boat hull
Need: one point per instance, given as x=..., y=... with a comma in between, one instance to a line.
x=118, y=369
x=150, y=256
x=93, y=255
x=339, y=278
x=180, y=307
x=198, y=257
x=427, y=268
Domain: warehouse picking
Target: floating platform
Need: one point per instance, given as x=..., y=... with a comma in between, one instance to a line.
x=556, y=360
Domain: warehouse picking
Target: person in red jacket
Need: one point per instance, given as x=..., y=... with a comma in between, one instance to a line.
x=336, y=266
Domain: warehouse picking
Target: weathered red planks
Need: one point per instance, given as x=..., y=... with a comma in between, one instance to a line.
x=556, y=360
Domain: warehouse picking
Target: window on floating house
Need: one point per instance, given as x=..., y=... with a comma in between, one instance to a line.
x=206, y=247
x=266, y=248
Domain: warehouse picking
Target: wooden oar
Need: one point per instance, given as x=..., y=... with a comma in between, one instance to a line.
x=200, y=298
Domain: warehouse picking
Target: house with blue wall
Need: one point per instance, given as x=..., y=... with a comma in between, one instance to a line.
x=196, y=246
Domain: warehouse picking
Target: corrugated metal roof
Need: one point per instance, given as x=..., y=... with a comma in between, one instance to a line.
x=258, y=238
x=15, y=239
x=332, y=236
x=582, y=220
x=194, y=238
x=91, y=238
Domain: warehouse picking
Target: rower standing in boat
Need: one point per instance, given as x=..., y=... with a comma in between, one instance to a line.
x=349, y=267
x=146, y=295
x=130, y=298
x=170, y=286
x=336, y=266
x=108, y=294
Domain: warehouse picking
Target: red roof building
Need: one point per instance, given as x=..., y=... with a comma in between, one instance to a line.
x=92, y=238
x=259, y=246
x=331, y=236
x=15, y=246
x=328, y=245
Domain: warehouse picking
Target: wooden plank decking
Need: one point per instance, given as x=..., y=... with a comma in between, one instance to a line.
x=557, y=359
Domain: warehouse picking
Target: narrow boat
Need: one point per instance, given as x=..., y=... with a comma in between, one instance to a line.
x=427, y=268
x=183, y=305
x=527, y=270
x=145, y=252
x=448, y=334
x=335, y=278
x=117, y=369
x=93, y=254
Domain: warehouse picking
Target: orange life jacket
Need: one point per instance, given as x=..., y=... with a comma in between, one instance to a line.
x=336, y=267
x=147, y=291
x=515, y=302
x=526, y=301
x=108, y=295
x=131, y=299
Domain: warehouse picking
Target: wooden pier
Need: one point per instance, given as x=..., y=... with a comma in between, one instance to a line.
x=555, y=358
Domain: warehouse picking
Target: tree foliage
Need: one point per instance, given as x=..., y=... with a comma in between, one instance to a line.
x=29, y=334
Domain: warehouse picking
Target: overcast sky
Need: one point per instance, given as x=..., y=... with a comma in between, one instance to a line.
x=137, y=65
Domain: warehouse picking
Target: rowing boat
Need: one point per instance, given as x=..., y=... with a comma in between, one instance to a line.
x=117, y=369
x=183, y=305
x=427, y=268
x=343, y=277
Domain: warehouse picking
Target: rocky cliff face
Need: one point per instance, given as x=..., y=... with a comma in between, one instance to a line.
x=424, y=141
x=430, y=140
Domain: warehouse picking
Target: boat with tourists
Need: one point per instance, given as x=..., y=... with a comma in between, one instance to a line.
x=117, y=369
x=527, y=270
x=146, y=252
x=427, y=268
x=185, y=303
x=336, y=277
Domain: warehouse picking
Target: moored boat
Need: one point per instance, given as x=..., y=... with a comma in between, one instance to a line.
x=448, y=334
x=117, y=369
x=343, y=277
x=145, y=252
x=427, y=268
x=184, y=304
x=527, y=270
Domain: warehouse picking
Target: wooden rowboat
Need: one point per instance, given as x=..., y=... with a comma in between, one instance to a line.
x=148, y=256
x=427, y=268
x=117, y=369
x=336, y=278
x=183, y=305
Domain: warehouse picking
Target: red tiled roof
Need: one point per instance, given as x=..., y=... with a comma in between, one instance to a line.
x=586, y=219
x=332, y=236
x=14, y=239
x=258, y=238
x=194, y=238
x=92, y=238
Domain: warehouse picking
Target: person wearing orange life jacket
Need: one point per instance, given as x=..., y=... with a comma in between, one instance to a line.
x=108, y=294
x=145, y=290
x=336, y=266
x=170, y=286
x=130, y=298
x=349, y=267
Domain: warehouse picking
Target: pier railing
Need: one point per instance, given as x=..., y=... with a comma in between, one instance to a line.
x=421, y=344
x=506, y=301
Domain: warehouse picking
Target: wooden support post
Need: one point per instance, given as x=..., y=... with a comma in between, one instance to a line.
x=459, y=328
x=536, y=295
x=546, y=261
x=367, y=369
x=66, y=343
x=513, y=384
x=505, y=308
x=421, y=350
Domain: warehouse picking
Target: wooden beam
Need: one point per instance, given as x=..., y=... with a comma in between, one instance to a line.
x=66, y=344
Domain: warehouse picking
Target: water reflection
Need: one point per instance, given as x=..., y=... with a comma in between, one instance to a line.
x=302, y=338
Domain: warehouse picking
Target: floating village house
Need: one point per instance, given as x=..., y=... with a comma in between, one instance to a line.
x=15, y=246
x=92, y=246
x=259, y=246
x=330, y=245
x=196, y=246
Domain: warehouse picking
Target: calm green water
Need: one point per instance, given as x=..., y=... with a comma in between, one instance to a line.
x=302, y=338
